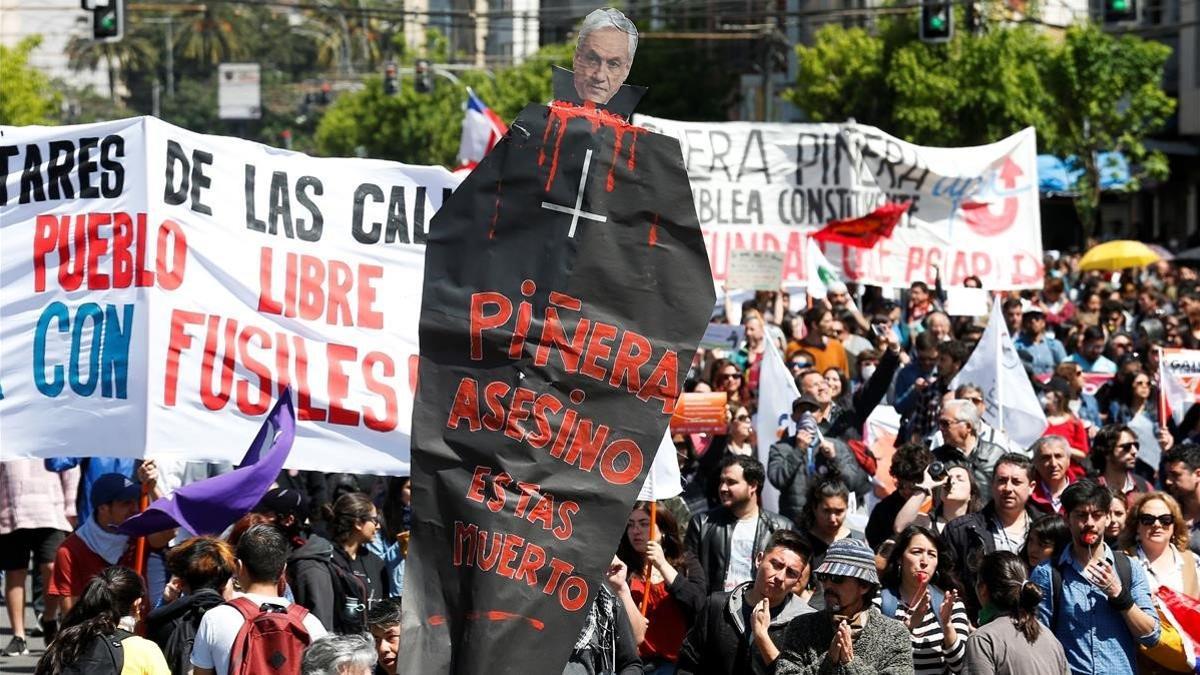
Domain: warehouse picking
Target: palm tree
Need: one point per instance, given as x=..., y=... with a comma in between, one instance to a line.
x=220, y=33
x=134, y=52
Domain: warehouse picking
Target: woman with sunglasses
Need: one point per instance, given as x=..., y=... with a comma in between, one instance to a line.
x=1156, y=534
x=352, y=522
x=919, y=590
x=727, y=377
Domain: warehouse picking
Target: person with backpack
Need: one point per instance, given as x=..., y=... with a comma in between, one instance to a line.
x=1094, y=599
x=310, y=561
x=918, y=588
x=94, y=637
x=201, y=569
x=360, y=577
x=258, y=632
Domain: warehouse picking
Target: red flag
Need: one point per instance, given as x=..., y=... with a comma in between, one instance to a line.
x=866, y=231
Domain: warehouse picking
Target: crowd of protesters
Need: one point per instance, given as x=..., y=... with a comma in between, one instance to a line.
x=969, y=553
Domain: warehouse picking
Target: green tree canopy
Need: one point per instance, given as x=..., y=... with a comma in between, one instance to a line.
x=26, y=96
x=1085, y=93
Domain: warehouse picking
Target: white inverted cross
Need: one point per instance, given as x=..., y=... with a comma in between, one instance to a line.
x=577, y=212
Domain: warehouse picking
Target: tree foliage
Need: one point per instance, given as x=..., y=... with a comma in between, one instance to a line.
x=424, y=128
x=1086, y=93
x=26, y=96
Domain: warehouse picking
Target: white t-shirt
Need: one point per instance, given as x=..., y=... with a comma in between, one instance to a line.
x=741, y=553
x=219, y=628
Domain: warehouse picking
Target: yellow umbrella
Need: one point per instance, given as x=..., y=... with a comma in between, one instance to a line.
x=1118, y=255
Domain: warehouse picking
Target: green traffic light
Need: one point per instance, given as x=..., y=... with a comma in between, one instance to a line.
x=937, y=22
x=1120, y=5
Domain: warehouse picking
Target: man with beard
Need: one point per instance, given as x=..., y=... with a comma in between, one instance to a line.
x=849, y=635
x=1114, y=457
x=1181, y=476
x=1002, y=525
x=737, y=632
x=727, y=539
x=1094, y=599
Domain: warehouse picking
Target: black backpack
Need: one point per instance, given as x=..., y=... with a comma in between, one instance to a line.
x=181, y=631
x=103, y=656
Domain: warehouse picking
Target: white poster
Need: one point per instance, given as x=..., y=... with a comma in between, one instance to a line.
x=768, y=186
x=160, y=288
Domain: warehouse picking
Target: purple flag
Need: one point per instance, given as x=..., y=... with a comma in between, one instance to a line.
x=209, y=506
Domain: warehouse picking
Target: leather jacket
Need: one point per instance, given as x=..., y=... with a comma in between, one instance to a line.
x=709, y=537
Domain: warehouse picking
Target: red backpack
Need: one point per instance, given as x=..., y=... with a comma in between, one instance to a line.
x=272, y=639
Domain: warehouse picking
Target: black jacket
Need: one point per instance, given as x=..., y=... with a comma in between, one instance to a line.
x=710, y=534
x=163, y=622
x=969, y=538
x=719, y=642
x=848, y=423
x=377, y=580
x=308, y=575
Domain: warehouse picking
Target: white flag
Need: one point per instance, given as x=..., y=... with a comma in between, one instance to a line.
x=996, y=368
x=776, y=392
x=663, y=481
x=1179, y=399
x=819, y=271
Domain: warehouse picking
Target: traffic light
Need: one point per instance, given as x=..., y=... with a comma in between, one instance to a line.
x=937, y=21
x=423, y=77
x=1120, y=11
x=389, y=79
x=108, y=21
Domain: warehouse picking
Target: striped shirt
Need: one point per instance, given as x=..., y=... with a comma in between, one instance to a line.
x=930, y=656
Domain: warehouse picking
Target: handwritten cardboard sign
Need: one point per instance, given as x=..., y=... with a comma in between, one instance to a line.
x=755, y=270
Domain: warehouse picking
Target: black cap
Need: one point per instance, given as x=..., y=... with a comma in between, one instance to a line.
x=284, y=501
x=806, y=400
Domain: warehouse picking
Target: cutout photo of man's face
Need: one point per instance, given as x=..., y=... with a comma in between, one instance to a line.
x=602, y=62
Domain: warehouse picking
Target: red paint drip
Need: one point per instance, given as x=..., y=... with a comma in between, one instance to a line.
x=495, y=213
x=562, y=112
x=653, y=231
x=499, y=615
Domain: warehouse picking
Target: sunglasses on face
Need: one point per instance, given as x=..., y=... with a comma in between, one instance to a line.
x=800, y=365
x=1166, y=519
x=731, y=376
x=742, y=418
x=975, y=399
x=834, y=579
x=1133, y=445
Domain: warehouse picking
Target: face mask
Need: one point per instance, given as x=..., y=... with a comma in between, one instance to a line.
x=867, y=372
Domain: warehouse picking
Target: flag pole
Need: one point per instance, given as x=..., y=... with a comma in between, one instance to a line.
x=646, y=571
x=139, y=550
x=1162, y=391
x=999, y=363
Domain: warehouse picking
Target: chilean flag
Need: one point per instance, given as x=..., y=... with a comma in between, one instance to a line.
x=481, y=130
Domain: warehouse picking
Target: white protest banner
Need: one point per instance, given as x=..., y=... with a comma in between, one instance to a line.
x=767, y=186
x=1179, y=380
x=755, y=270
x=159, y=288
x=965, y=301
